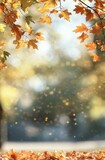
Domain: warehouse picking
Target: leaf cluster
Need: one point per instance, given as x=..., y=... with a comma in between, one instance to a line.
x=12, y=10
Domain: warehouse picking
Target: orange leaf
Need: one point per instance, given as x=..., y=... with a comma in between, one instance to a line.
x=96, y=58
x=1, y=44
x=54, y=11
x=81, y=28
x=65, y=14
x=16, y=29
x=82, y=37
x=89, y=15
x=79, y=9
x=45, y=19
x=2, y=65
x=91, y=46
x=96, y=30
x=39, y=36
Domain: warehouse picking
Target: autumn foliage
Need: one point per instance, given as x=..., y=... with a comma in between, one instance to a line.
x=22, y=155
x=11, y=12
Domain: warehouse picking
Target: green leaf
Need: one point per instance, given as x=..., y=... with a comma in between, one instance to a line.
x=4, y=55
x=29, y=19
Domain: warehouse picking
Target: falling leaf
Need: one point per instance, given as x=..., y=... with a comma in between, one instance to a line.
x=81, y=28
x=82, y=37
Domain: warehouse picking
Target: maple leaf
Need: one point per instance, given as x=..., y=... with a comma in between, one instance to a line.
x=3, y=56
x=54, y=11
x=20, y=43
x=29, y=19
x=65, y=14
x=32, y=43
x=49, y=4
x=91, y=46
x=10, y=17
x=45, y=19
x=82, y=37
x=16, y=29
x=42, y=10
x=28, y=29
x=89, y=15
x=16, y=4
x=79, y=9
x=39, y=36
x=81, y=28
x=26, y=3
x=2, y=27
x=96, y=58
x=96, y=30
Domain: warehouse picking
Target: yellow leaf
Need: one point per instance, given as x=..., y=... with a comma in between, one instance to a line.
x=65, y=14
x=2, y=27
x=45, y=19
x=26, y=3
x=28, y=28
x=50, y=4
x=20, y=43
x=1, y=44
x=39, y=36
x=16, y=4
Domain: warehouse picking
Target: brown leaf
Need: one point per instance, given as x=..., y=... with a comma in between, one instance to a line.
x=32, y=43
x=16, y=29
x=79, y=9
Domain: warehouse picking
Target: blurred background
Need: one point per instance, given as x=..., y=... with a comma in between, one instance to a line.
x=55, y=93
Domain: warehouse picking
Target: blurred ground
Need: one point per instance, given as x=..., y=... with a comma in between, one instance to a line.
x=52, y=146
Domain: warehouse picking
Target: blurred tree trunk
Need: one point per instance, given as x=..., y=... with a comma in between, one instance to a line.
x=1, y=116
